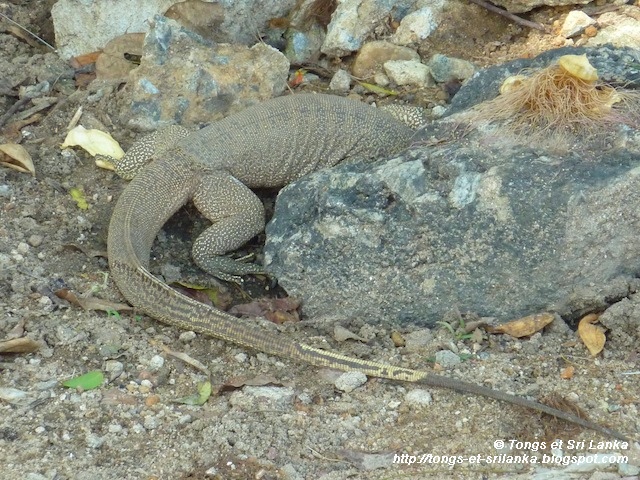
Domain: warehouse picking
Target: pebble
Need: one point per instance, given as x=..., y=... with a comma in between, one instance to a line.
x=445, y=69
x=447, y=359
x=114, y=428
x=349, y=381
x=575, y=23
x=340, y=82
x=113, y=368
x=35, y=240
x=23, y=248
x=418, y=398
x=94, y=441
x=186, y=337
x=416, y=341
x=184, y=419
x=408, y=72
x=156, y=363
x=151, y=422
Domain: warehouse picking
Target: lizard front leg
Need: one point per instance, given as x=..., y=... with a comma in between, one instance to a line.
x=237, y=215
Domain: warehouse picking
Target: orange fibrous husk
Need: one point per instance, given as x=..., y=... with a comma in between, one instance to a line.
x=554, y=101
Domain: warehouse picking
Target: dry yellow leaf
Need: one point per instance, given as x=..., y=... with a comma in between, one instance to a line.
x=96, y=142
x=525, y=326
x=591, y=335
x=16, y=157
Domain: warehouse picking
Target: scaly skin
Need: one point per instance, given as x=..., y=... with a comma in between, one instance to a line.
x=271, y=144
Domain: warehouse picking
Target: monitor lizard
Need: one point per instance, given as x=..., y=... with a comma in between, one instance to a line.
x=267, y=145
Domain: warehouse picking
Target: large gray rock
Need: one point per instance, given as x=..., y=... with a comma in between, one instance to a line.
x=480, y=225
x=214, y=79
x=83, y=26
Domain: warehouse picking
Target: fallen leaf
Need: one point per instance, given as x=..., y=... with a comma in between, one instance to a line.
x=96, y=142
x=16, y=157
x=235, y=383
x=297, y=78
x=186, y=359
x=118, y=57
x=200, y=398
x=88, y=381
x=524, y=327
x=591, y=335
x=197, y=16
x=377, y=89
x=277, y=310
x=19, y=345
x=341, y=334
x=83, y=60
x=87, y=252
x=78, y=195
x=91, y=303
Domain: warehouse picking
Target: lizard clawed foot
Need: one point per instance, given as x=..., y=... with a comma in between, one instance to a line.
x=229, y=269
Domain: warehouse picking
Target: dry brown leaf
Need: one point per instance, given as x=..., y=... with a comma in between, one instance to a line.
x=260, y=380
x=116, y=61
x=592, y=335
x=84, y=59
x=16, y=157
x=19, y=345
x=341, y=334
x=187, y=359
x=201, y=17
x=276, y=310
x=91, y=303
x=524, y=327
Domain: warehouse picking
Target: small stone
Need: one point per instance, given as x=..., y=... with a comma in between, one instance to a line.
x=445, y=69
x=152, y=400
x=380, y=78
x=340, y=82
x=156, y=363
x=373, y=55
x=35, y=240
x=137, y=428
x=418, y=340
x=418, y=398
x=349, y=381
x=113, y=368
x=447, y=359
x=419, y=25
x=186, y=337
x=408, y=72
x=591, y=31
x=94, y=441
x=114, y=428
x=575, y=23
x=151, y=422
x=184, y=419
x=241, y=357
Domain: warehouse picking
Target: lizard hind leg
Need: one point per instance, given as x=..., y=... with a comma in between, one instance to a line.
x=237, y=215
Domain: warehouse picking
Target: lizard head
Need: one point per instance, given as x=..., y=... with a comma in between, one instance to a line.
x=147, y=148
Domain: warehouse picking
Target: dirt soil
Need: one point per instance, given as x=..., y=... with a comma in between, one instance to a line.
x=299, y=426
